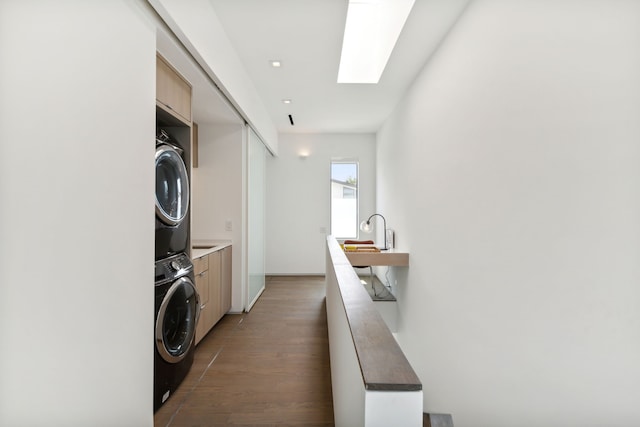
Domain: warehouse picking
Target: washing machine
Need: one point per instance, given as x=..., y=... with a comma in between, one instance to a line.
x=172, y=196
x=177, y=311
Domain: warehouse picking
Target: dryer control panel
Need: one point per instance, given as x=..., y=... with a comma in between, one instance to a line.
x=171, y=268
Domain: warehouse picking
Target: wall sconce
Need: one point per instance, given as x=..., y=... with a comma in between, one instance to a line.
x=303, y=154
x=367, y=227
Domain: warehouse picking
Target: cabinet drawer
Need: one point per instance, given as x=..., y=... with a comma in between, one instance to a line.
x=202, y=286
x=200, y=264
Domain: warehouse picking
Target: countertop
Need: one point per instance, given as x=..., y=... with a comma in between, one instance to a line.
x=213, y=246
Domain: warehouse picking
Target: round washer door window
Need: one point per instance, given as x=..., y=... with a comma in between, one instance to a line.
x=172, y=186
x=176, y=322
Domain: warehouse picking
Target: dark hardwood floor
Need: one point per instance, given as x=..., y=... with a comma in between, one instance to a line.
x=268, y=367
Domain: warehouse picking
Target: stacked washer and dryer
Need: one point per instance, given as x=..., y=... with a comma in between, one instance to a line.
x=177, y=304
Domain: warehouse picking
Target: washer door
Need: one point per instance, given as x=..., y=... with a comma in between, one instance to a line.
x=177, y=318
x=172, y=185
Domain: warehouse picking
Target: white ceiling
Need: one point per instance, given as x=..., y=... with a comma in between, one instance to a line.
x=306, y=35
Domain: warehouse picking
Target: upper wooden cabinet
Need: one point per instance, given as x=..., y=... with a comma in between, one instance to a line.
x=173, y=93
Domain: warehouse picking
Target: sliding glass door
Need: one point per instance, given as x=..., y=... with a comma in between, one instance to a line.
x=256, y=221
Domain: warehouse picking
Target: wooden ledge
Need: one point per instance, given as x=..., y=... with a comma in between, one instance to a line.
x=390, y=258
x=383, y=365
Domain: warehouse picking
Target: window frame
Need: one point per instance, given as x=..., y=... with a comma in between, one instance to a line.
x=357, y=196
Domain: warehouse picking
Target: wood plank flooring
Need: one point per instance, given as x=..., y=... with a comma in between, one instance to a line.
x=268, y=367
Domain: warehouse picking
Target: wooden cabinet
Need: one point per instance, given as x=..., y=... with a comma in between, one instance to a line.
x=201, y=271
x=173, y=93
x=225, y=280
x=213, y=282
x=214, y=289
x=194, y=145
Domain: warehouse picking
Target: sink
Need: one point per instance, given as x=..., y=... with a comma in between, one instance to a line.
x=204, y=246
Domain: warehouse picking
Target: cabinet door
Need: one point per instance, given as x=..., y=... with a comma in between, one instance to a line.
x=202, y=286
x=214, y=285
x=225, y=279
x=172, y=91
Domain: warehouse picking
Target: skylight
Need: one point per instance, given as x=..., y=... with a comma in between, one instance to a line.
x=370, y=34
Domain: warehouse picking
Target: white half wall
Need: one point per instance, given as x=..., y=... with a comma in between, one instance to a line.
x=298, y=211
x=77, y=114
x=217, y=195
x=353, y=403
x=510, y=171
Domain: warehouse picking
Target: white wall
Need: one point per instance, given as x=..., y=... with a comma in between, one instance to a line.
x=298, y=212
x=76, y=217
x=511, y=174
x=217, y=194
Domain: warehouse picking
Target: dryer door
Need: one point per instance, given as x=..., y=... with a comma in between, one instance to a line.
x=172, y=185
x=176, y=321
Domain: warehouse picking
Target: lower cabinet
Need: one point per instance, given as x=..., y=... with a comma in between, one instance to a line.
x=201, y=271
x=213, y=282
x=225, y=280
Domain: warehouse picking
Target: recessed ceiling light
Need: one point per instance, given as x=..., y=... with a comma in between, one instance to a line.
x=370, y=34
x=275, y=63
x=286, y=101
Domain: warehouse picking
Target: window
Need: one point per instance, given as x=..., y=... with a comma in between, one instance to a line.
x=348, y=193
x=344, y=199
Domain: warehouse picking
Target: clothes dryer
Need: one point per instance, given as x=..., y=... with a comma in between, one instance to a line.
x=177, y=307
x=172, y=197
